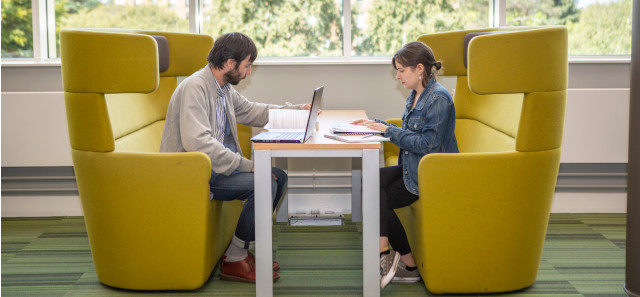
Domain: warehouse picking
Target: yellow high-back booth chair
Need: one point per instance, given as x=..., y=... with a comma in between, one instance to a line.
x=149, y=217
x=480, y=223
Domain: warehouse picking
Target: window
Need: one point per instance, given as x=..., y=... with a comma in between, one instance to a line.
x=596, y=27
x=288, y=28
x=316, y=28
x=381, y=27
x=17, y=33
x=130, y=14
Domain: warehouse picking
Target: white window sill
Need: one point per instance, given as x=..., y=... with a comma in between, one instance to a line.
x=301, y=61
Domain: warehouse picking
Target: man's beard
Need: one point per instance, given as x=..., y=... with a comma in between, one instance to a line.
x=233, y=77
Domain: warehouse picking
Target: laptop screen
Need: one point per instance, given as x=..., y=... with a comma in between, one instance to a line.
x=316, y=103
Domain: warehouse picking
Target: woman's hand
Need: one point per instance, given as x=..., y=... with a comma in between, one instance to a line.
x=362, y=122
x=371, y=124
x=377, y=126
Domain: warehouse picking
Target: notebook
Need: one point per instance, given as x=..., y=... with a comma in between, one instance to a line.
x=296, y=137
x=350, y=129
x=352, y=138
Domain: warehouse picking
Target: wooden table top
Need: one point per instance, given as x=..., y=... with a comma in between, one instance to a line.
x=318, y=141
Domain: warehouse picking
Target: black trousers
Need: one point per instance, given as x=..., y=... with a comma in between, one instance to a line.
x=394, y=194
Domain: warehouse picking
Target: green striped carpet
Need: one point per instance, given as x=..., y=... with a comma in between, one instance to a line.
x=584, y=255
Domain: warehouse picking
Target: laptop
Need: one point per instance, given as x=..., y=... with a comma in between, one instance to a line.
x=296, y=137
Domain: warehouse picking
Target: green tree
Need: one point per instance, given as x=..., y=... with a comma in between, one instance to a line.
x=282, y=28
x=545, y=12
x=144, y=17
x=603, y=29
x=393, y=23
x=147, y=17
x=65, y=8
x=17, y=32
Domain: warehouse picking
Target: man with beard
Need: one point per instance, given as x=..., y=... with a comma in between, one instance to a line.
x=202, y=117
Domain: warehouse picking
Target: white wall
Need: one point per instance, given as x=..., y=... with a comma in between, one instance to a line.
x=34, y=130
x=596, y=128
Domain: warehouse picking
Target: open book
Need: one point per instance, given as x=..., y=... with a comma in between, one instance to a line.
x=344, y=128
x=288, y=120
x=357, y=138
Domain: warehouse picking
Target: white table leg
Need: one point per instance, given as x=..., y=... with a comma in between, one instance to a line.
x=263, y=212
x=370, y=223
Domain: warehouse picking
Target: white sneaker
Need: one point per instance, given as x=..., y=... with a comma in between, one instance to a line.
x=388, y=267
x=405, y=276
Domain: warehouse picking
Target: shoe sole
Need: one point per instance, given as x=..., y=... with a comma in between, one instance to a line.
x=405, y=280
x=386, y=279
x=235, y=278
x=240, y=279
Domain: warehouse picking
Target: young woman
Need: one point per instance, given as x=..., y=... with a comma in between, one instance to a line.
x=428, y=126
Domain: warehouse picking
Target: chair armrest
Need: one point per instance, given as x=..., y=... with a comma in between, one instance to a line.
x=147, y=174
x=163, y=193
x=391, y=150
x=454, y=180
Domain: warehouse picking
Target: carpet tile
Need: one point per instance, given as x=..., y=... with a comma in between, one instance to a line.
x=583, y=256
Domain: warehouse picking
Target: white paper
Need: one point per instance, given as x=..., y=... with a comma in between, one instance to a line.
x=288, y=119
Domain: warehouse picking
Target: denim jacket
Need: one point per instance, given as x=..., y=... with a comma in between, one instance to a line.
x=427, y=128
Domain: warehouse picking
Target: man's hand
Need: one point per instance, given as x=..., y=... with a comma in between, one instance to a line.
x=308, y=107
x=273, y=175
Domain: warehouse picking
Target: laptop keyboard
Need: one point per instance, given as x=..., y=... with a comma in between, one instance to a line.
x=288, y=135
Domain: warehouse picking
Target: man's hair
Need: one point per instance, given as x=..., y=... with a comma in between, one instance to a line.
x=236, y=46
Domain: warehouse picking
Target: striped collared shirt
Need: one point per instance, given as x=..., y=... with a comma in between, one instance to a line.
x=221, y=115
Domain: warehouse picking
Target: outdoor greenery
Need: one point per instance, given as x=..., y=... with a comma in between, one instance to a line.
x=124, y=16
x=286, y=28
x=281, y=27
x=17, y=34
x=546, y=12
x=394, y=23
x=603, y=29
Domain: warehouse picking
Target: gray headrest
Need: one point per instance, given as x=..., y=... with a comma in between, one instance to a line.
x=163, y=52
x=467, y=39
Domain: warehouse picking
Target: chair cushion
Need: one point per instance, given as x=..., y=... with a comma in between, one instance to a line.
x=134, y=117
x=476, y=137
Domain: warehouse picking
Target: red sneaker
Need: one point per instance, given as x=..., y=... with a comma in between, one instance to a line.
x=243, y=271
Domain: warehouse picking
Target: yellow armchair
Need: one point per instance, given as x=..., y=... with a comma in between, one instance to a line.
x=149, y=217
x=480, y=223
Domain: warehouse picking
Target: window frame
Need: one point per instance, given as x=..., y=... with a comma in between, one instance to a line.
x=43, y=20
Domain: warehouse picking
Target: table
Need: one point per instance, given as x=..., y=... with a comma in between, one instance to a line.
x=320, y=147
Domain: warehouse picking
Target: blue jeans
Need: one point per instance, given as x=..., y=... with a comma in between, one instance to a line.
x=239, y=186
